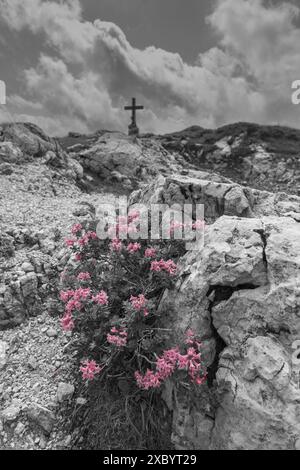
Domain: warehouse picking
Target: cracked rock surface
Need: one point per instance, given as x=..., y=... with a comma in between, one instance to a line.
x=242, y=291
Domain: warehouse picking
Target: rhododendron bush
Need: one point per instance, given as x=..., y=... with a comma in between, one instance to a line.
x=111, y=290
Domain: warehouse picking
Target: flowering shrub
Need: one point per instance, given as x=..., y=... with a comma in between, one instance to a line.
x=111, y=292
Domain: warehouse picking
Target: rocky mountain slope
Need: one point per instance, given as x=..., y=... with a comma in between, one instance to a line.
x=241, y=292
x=263, y=157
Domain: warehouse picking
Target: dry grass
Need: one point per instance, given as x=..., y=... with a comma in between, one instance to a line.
x=125, y=421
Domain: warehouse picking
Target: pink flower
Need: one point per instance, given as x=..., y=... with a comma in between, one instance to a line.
x=66, y=295
x=76, y=228
x=116, y=245
x=176, y=225
x=67, y=322
x=73, y=305
x=133, y=247
x=101, y=298
x=70, y=242
x=89, y=369
x=133, y=215
x=149, y=380
x=82, y=294
x=125, y=229
x=92, y=235
x=78, y=257
x=117, y=337
x=150, y=253
x=139, y=302
x=83, y=240
x=191, y=363
x=83, y=276
x=200, y=380
x=166, y=366
x=167, y=266
x=198, y=225
x=191, y=340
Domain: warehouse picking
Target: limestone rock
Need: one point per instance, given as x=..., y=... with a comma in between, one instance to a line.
x=218, y=197
x=11, y=413
x=65, y=391
x=6, y=169
x=242, y=291
x=29, y=284
x=42, y=417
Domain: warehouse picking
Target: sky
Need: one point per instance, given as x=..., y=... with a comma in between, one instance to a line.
x=72, y=65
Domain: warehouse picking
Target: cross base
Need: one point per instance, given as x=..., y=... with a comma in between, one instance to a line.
x=133, y=130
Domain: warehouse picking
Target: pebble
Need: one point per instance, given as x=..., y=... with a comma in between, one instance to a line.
x=32, y=363
x=81, y=401
x=3, y=354
x=52, y=333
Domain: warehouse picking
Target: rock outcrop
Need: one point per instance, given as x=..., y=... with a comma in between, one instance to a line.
x=241, y=294
x=24, y=142
x=126, y=162
x=219, y=197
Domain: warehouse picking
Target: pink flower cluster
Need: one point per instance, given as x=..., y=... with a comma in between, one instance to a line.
x=89, y=369
x=76, y=228
x=139, y=303
x=150, y=253
x=116, y=245
x=84, y=240
x=73, y=302
x=70, y=242
x=66, y=295
x=118, y=337
x=166, y=365
x=67, y=322
x=83, y=277
x=101, y=298
x=133, y=247
x=167, y=266
x=133, y=216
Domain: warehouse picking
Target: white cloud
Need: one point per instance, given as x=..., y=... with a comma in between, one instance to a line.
x=248, y=77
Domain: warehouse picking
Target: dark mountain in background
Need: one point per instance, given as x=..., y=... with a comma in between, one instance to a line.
x=263, y=157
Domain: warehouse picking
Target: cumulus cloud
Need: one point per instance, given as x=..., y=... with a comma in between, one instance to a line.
x=92, y=69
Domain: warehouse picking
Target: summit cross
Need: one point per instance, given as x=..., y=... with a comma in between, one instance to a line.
x=132, y=128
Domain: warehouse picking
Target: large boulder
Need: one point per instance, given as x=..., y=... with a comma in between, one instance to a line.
x=241, y=294
x=218, y=196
